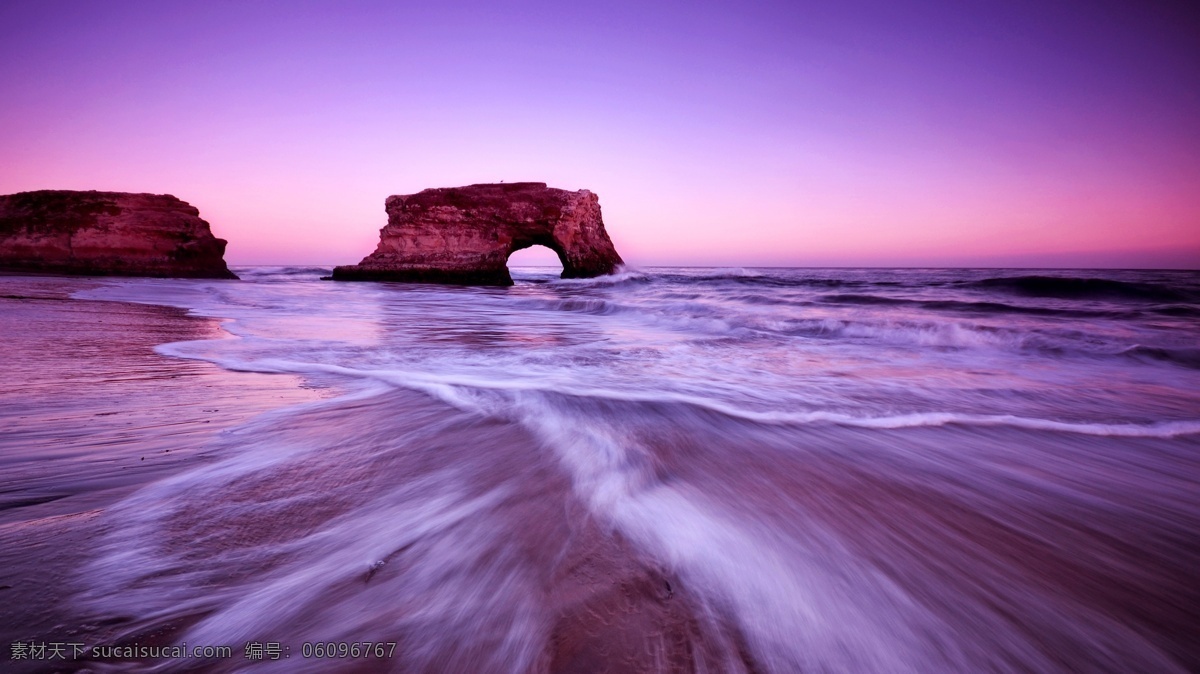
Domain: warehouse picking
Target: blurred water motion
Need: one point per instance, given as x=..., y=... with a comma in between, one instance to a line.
x=686, y=470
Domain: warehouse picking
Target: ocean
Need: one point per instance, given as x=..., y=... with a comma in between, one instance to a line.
x=669, y=469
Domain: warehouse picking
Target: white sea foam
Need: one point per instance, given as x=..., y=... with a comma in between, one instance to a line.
x=677, y=403
x=455, y=390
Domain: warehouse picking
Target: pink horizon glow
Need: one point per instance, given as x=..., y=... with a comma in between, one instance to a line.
x=714, y=134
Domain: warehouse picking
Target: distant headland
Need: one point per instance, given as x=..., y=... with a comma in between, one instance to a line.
x=107, y=234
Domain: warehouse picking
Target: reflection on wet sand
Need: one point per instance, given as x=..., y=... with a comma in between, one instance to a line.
x=91, y=413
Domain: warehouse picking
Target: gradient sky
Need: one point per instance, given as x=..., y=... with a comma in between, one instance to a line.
x=773, y=133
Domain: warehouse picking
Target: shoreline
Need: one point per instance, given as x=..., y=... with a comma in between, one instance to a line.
x=607, y=599
x=93, y=414
x=495, y=529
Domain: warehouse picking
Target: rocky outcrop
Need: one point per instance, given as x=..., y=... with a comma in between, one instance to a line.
x=107, y=233
x=465, y=235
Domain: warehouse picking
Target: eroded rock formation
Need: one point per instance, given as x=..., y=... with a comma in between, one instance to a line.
x=465, y=234
x=107, y=233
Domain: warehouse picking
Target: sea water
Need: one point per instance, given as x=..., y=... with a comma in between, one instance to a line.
x=870, y=470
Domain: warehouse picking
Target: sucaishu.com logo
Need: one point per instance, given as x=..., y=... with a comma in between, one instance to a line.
x=137, y=652
x=33, y=650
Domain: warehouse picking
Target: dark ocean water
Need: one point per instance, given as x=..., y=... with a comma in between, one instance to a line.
x=767, y=470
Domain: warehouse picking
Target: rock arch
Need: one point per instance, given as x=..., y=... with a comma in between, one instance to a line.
x=465, y=235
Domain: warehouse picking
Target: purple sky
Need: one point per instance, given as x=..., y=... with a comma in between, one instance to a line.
x=883, y=133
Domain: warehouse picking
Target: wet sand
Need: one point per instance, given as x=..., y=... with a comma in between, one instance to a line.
x=91, y=413
x=494, y=528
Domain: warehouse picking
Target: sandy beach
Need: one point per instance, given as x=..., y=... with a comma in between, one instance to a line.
x=90, y=414
x=679, y=470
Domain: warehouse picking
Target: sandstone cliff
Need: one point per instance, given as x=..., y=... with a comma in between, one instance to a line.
x=107, y=233
x=465, y=234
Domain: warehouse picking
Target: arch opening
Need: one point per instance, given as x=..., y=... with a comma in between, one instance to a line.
x=534, y=262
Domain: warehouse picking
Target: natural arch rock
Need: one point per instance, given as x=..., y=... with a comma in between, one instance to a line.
x=465, y=235
x=107, y=233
